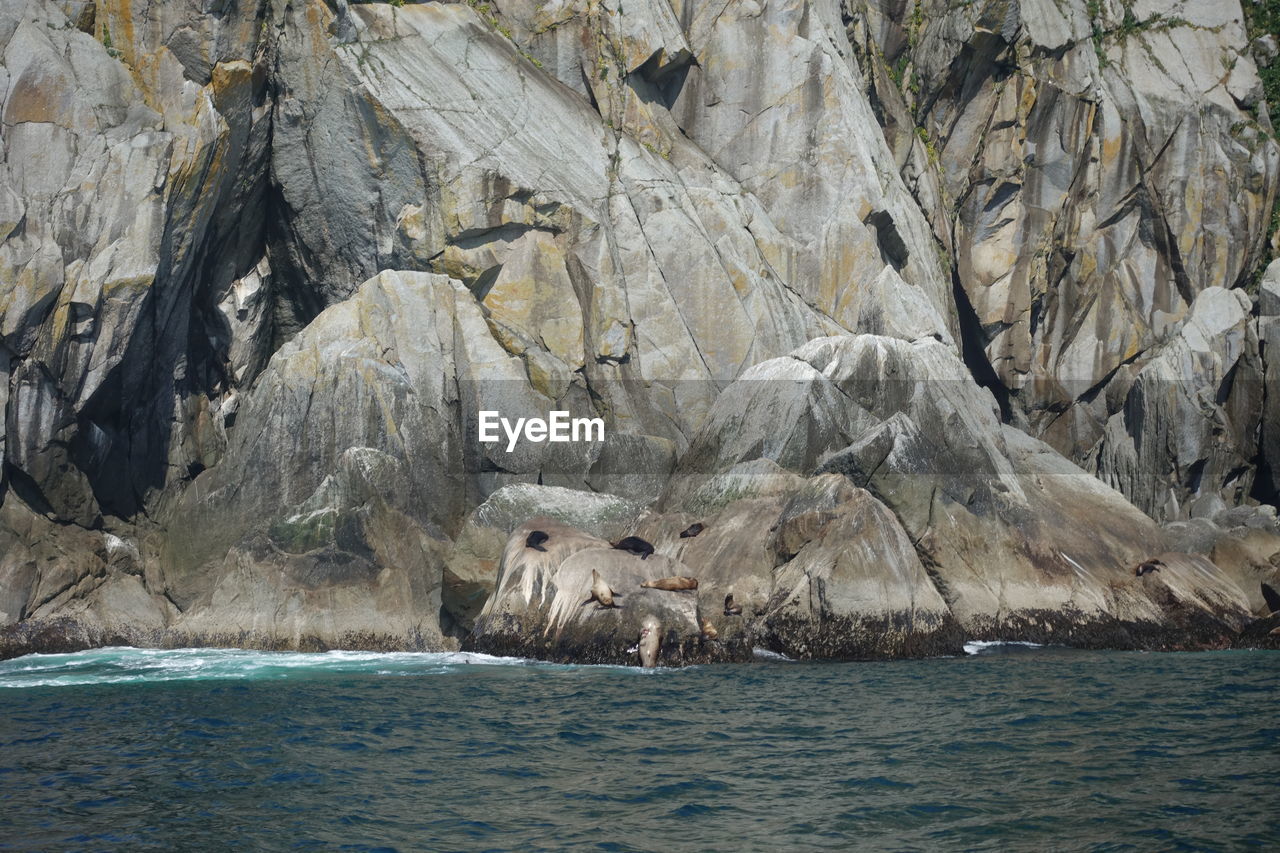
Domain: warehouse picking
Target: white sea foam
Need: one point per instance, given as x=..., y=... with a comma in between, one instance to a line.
x=974, y=647
x=117, y=665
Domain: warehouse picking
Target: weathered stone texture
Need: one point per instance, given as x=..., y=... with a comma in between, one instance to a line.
x=959, y=297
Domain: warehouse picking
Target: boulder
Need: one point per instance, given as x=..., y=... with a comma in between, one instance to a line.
x=541, y=606
x=349, y=472
x=63, y=588
x=849, y=583
x=471, y=569
x=996, y=516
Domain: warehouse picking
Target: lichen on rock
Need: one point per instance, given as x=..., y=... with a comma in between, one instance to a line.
x=938, y=317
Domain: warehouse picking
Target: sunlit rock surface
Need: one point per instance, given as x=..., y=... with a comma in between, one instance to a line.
x=932, y=312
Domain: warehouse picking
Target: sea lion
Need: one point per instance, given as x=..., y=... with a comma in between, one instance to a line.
x=650, y=635
x=731, y=609
x=600, y=592
x=1148, y=567
x=634, y=545
x=535, y=540
x=693, y=530
x=671, y=584
x=1271, y=597
x=709, y=631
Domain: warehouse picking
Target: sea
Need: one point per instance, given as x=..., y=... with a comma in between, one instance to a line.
x=1008, y=747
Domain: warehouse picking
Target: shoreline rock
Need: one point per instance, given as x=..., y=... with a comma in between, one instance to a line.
x=884, y=300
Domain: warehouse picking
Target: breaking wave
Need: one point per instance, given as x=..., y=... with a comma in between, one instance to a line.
x=978, y=647
x=123, y=665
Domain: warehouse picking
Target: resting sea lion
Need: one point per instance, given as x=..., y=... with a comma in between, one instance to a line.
x=1271, y=597
x=731, y=609
x=709, y=631
x=635, y=545
x=535, y=540
x=693, y=530
x=1148, y=567
x=650, y=634
x=600, y=592
x=671, y=584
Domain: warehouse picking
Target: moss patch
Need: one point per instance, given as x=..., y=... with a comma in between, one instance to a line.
x=302, y=533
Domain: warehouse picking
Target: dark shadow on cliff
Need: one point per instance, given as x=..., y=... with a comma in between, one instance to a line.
x=973, y=351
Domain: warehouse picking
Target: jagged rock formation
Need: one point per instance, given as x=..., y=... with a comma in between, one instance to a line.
x=1098, y=167
x=996, y=516
x=1269, y=335
x=262, y=264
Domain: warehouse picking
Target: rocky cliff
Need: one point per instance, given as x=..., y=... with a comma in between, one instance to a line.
x=940, y=317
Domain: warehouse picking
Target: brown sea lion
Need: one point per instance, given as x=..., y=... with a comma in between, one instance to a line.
x=634, y=545
x=650, y=635
x=731, y=609
x=693, y=530
x=600, y=592
x=709, y=631
x=671, y=584
x=535, y=540
x=1148, y=567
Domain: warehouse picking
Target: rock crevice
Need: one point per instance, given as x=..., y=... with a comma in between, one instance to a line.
x=957, y=294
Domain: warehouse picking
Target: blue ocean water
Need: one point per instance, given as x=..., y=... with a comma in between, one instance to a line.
x=1010, y=748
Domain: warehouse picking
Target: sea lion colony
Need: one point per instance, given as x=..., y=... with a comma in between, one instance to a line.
x=604, y=596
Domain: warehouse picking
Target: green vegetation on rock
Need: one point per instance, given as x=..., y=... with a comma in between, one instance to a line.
x=1262, y=18
x=302, y=533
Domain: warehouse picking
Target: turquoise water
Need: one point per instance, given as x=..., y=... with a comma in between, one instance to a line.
x=1009, y=748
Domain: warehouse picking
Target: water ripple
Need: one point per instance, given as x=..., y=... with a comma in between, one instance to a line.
x=1030, y=748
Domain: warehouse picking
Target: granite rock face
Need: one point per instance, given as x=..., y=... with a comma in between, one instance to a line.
x=961, y=298
x=1188, y=420
x=1015, y=539
x=1099, y=167
x=1269, y=336
x=133, y=189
